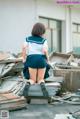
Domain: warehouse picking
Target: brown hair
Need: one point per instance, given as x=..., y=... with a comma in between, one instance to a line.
x=38, y=29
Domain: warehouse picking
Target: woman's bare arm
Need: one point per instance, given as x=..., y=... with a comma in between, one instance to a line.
x=24, y=52
x=45, y=50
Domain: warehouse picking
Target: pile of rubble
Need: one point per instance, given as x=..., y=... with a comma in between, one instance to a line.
x=12, y=83
x=10, y=70
x=68, y=66
x=62, y=73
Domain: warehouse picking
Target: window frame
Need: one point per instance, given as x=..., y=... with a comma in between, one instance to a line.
x=59, y=30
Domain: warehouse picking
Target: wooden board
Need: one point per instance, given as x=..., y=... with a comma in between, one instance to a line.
x=71, y=78
x=58, y=57
x=11, y=60
x=10, y=101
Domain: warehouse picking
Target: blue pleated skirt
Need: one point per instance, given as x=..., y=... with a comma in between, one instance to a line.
x=36, y=61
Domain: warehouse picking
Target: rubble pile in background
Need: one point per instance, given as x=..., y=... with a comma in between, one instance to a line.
x=10, y=72
x=12, y=83
x=63, y=77
x=65, y=60
x=68, y=66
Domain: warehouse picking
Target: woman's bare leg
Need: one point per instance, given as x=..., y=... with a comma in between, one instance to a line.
x=40, y=75
x=33, y=74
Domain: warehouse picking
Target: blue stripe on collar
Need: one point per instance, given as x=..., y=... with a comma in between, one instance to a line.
x=35, y=39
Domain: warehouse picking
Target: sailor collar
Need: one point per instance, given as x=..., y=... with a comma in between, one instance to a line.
x=35, y=39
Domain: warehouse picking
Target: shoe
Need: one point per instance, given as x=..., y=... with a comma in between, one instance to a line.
x=26, y=90
x=44, y=90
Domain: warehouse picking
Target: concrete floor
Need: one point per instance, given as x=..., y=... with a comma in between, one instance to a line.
x=39, y=109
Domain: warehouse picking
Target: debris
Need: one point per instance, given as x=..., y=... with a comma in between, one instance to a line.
x=12, y=81
x=64, y=116
x=10, y=71
x=70, y=98
x=9, y=101
x=76, y=114
x=67, y=66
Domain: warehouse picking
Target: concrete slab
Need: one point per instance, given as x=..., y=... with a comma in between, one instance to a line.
x=43, y=111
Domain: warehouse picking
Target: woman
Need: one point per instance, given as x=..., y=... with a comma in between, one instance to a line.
x=35, y=55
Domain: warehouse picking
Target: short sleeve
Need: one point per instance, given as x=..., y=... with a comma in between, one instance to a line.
x=45, y=46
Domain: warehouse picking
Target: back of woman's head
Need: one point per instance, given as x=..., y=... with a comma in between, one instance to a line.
x=38, y=29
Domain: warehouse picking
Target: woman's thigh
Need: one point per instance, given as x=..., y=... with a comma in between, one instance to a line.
x=33, y=73
x=40, y=73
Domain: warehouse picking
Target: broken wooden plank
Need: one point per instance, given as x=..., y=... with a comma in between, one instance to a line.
x=7, y=96
x=11, y=60
x=71, y=78
x=58, y=57
x=13, y=105
x=10, y=101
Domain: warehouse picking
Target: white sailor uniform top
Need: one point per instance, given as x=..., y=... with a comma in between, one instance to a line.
x=36, y=47
x=35, y=56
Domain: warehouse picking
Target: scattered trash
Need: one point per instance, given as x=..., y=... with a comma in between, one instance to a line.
x=64, y=116
x=69, y=98
x=76, y=114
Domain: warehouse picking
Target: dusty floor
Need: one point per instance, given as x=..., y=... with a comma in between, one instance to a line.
x=41, y=110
